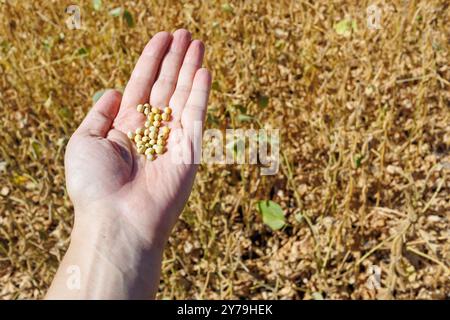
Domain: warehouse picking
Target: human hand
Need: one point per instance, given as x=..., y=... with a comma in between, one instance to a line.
x=121, y=199
x=103, y=169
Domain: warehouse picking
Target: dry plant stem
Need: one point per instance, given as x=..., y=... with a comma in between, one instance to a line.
x=426, y=256
x=297, y=197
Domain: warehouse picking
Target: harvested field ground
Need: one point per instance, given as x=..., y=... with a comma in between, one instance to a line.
x=364, y=120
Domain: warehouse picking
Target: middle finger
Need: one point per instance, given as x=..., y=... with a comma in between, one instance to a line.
x=170, y=67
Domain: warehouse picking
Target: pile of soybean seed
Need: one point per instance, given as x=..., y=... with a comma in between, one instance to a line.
x=152, y=139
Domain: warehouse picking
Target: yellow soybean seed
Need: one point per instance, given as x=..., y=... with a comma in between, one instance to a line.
x=163, y=135
x=159, y=149
x=151, y=139
x=155, y=110
x=165, y=130
x=141, y=149
x=168, y=110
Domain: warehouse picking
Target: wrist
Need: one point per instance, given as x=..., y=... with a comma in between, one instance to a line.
x=109, y=233
x=110, y=224
x=113, y=259
x=115, y=266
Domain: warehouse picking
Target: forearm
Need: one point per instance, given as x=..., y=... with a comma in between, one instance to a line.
x=107, y=260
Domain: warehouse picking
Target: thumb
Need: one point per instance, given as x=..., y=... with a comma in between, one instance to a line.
x=99, y=120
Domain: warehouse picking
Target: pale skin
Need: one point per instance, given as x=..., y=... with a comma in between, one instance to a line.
x=125, y=205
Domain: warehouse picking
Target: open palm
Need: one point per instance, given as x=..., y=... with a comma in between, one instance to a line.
x=103, y=168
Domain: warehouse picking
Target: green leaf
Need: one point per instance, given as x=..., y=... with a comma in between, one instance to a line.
x=244, y=117
x=82, y=52
x=128, y=18
x=48, y=43
x=299, y=217
x=116, y=12
x=65, y=113
x=215, y=86
x=37, y=149
x=272, y=214
x=345, y=27
x=212, y=119
x=279, y=44
x=227, y=7
x=97, y=4
x=97, y=95
x=358, y=160
x=5, y=44
x=317, y=296
x=263, y=101
x=241, y=108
